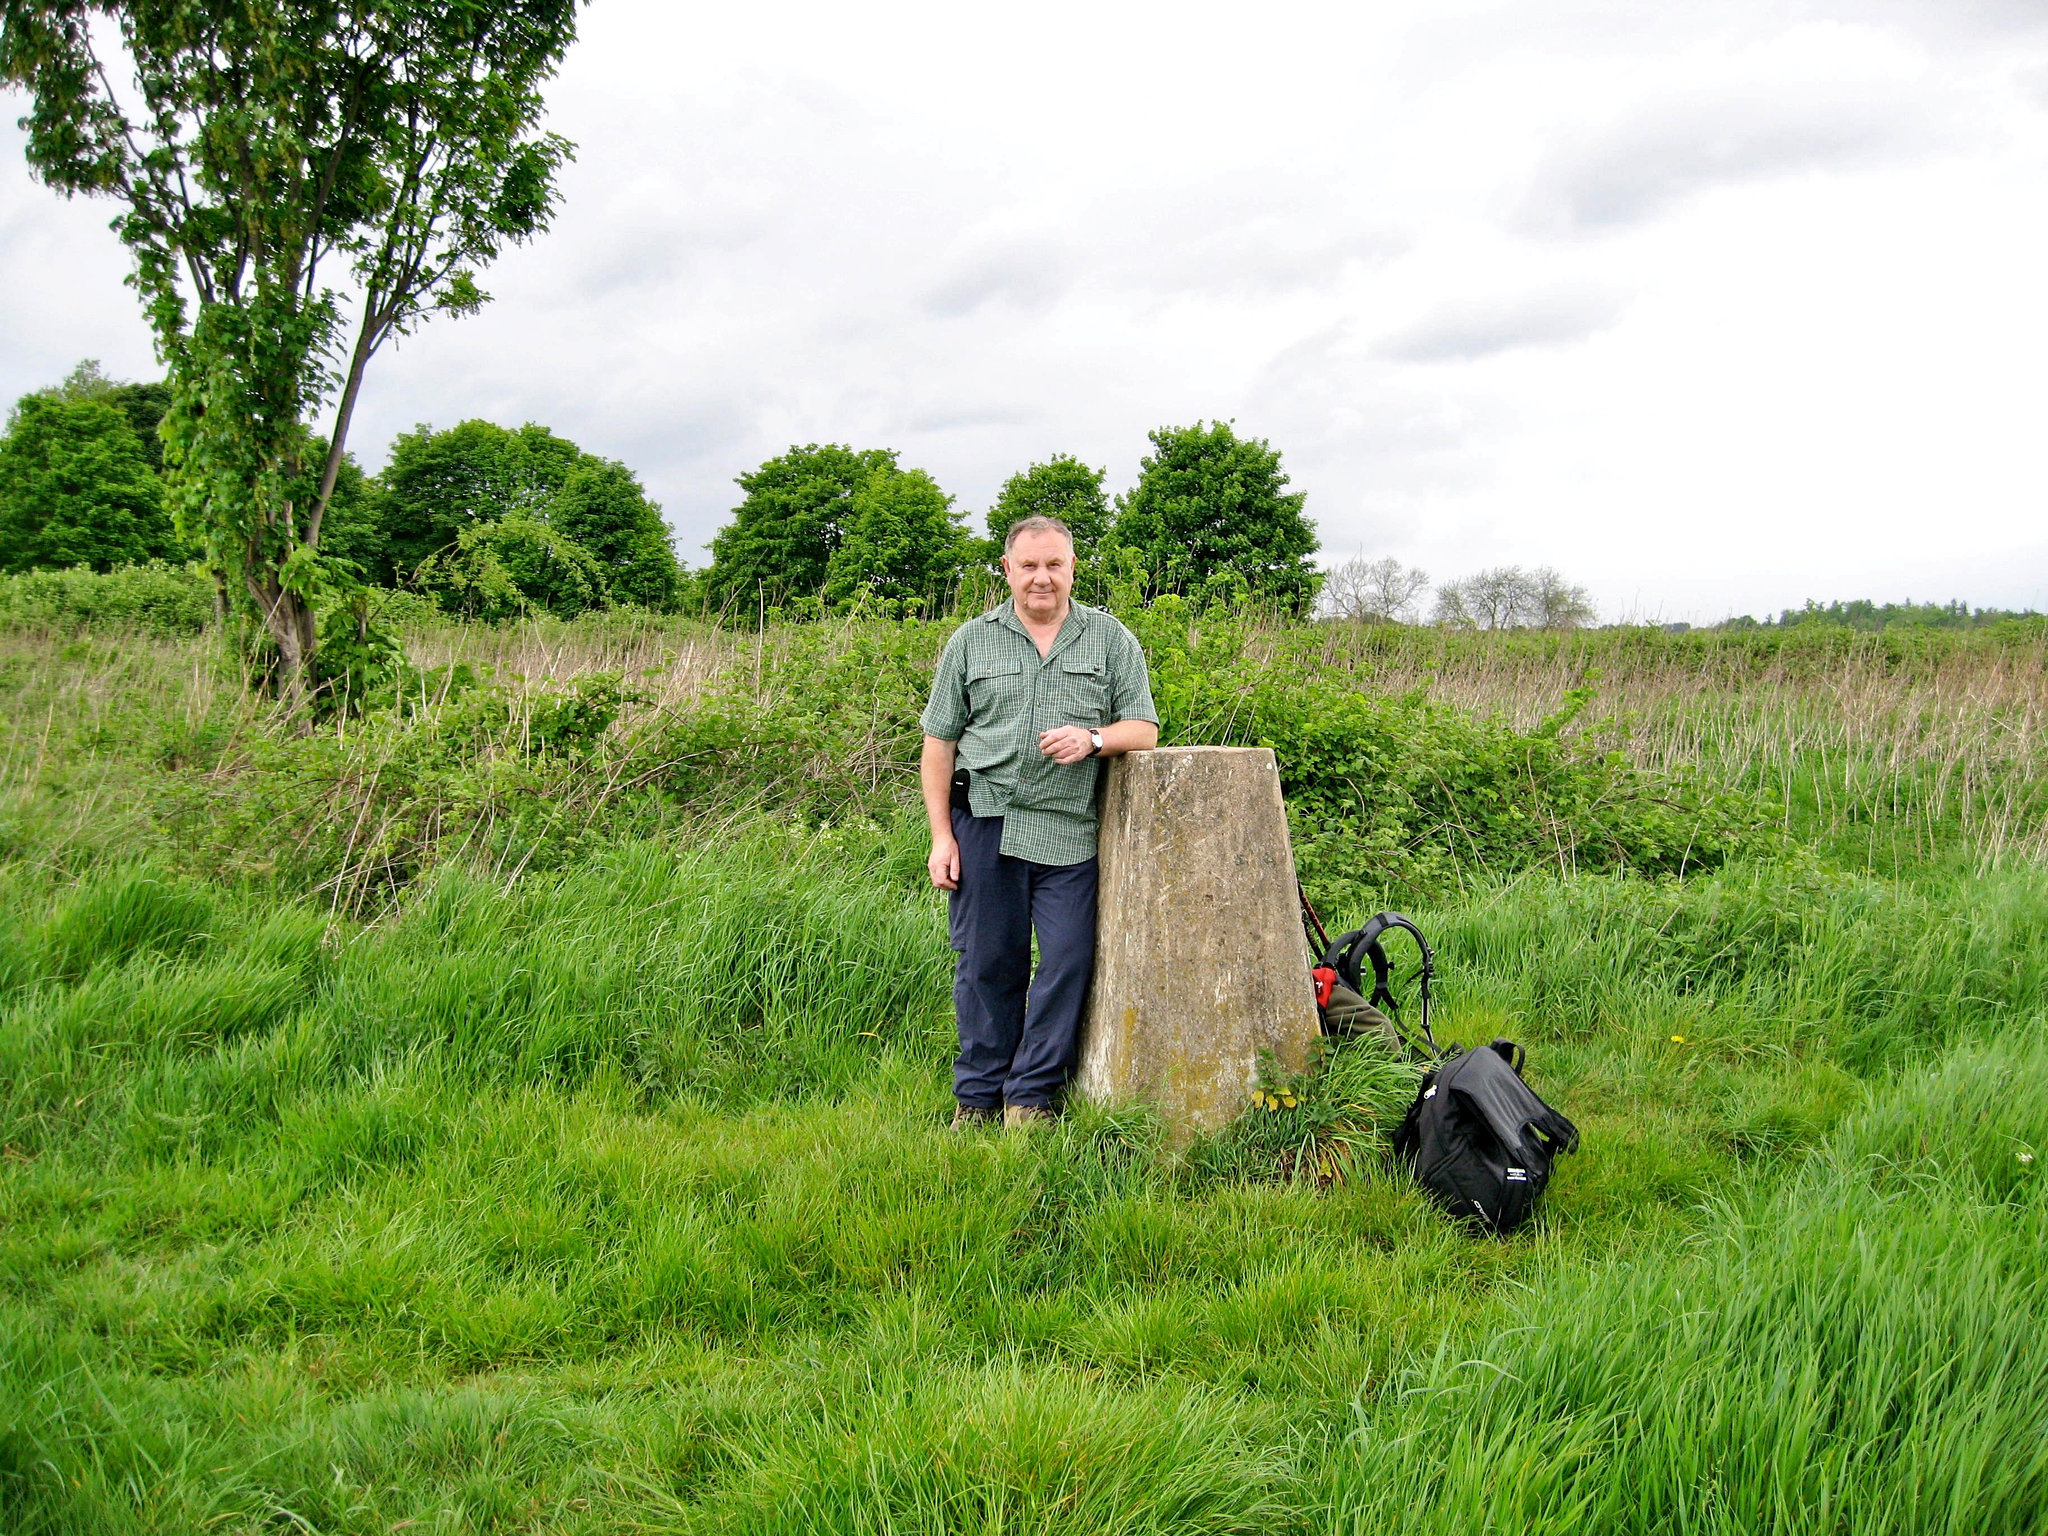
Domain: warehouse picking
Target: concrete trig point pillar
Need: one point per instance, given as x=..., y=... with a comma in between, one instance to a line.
x=1200, y=962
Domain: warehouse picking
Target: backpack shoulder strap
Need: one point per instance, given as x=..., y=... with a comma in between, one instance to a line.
x=1385, y=922
x=1345, y=954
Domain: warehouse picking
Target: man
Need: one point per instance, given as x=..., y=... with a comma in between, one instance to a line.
x=1027, y=699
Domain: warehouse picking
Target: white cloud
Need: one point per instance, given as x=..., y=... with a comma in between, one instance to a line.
x=1637, y=166
x=1713, y=305
x=1466, y=330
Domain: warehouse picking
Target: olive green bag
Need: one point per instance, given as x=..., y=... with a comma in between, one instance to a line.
x=1348, y=1015
x=1346, y=1009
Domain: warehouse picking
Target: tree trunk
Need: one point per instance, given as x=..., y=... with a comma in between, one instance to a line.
x=289, y=619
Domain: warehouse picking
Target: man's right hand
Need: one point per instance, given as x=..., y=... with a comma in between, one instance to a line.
x=945, y=864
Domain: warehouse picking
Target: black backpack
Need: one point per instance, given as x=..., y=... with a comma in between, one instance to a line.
x=1477, y=1137
x=1480, y=1141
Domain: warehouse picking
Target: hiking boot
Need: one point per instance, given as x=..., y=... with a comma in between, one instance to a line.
x=968, y=1117
x=1016, y=1115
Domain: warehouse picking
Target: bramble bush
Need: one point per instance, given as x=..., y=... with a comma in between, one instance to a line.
x=1399, y=793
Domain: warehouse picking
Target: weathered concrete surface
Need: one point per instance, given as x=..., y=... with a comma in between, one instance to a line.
x=1200, y=962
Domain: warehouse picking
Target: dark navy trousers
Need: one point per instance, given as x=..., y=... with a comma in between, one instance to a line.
x=1018, y=1032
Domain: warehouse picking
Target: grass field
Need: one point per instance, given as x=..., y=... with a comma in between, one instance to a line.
x=420, y=1125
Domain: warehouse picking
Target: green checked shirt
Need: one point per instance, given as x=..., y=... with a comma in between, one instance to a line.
x=993, y=695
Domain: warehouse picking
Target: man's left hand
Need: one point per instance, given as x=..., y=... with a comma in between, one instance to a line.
x=1066, y=743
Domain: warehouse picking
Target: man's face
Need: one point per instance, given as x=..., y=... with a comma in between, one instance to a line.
x=1040, y=570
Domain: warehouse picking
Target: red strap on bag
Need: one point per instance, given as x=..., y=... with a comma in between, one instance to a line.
x=1326, y=979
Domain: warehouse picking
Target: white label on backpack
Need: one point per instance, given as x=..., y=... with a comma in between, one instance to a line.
x=1429, y=1092
x=1519, y=1175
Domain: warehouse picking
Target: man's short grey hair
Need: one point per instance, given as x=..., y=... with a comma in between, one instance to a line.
x=1025, y=525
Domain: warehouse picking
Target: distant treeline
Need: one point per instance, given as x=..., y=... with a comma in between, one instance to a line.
x=1865, y=615
x=488, y=522
x=494, y=522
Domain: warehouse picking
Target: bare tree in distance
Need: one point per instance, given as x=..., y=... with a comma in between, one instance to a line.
x=1491, y=599
x=1373, y=591
x=1508, y=597
x=1557, y=603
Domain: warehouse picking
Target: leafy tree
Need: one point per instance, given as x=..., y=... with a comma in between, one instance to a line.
x=275, y=150
x=781, y=539
x=440, y=487
x=511, y=566
x=1209, y=505
x=1866, y=614
x=76, y=488
x=143, y=404
x=903, y=544
x=353, y=528
x=436, y=484
x=602, y=507
x=1061, y=487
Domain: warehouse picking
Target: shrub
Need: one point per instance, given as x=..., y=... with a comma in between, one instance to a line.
x=156, y=598
x=1392, y=793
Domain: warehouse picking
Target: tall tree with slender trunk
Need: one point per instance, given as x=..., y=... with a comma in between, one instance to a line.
x=301, y=180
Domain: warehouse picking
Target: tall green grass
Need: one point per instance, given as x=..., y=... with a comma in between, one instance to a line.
x=622, y=1198
x=404, y=1127
x=1858, y=1352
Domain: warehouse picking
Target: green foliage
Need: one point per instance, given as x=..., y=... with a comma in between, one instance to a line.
x=777, y=550
x=1393, y=794
x=155, y=599
x=824, y=727
x=145, y=406
x=361, y=658
x=1401, y=792
x=1061, y=487
x=512, y=566
x=352, y=536
x=76, y=488
x=573, y=723
x=901, y=546
x=1209, y=504
x=503, y=522
x=602, y=507
x=436, y=484
x=1863, y=614
x=267, y=147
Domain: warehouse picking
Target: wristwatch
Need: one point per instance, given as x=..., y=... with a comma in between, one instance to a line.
x=1096, y=737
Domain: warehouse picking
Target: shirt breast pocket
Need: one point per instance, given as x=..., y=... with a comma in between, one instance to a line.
x=993, y=688
x=1084, y=689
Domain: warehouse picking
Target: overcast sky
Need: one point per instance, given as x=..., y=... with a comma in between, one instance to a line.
x=1715, y=306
